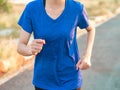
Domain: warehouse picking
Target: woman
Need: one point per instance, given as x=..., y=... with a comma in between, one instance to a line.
x=57, y=62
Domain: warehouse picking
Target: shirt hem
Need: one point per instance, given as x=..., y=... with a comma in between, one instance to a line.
x=40, y=85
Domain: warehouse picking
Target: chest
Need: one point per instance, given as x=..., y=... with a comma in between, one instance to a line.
x=48, y=29
x=54, y=13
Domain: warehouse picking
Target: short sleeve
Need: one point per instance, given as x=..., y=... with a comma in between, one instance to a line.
x=83, y=19
x=25, y=20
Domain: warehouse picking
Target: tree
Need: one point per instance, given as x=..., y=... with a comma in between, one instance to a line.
x=4, y=6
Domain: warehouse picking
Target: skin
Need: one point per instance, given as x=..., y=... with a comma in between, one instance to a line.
x=37, y=44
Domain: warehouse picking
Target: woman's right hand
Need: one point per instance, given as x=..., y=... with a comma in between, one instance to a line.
x=36, y=46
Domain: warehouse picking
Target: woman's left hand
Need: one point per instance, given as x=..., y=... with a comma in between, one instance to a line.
x=84, y=63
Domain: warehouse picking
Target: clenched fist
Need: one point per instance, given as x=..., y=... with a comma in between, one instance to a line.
x=84, y=63
x=36, y=46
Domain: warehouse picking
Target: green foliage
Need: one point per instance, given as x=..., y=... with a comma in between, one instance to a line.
x=4, y=6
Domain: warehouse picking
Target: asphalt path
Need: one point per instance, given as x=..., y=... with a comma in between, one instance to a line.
x=105, y=71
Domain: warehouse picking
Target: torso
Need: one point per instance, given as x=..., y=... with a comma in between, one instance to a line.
x=55, y=65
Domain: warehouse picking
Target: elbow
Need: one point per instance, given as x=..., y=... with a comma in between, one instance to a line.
x=18, y=49
x=90, y=29
x=93, y=30
x=23, y=50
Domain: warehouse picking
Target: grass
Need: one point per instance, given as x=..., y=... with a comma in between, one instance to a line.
x=13, y=34
x=5, y=6
x=7, y=48
x=9, y=58
x=9, y=19
x=101, y=7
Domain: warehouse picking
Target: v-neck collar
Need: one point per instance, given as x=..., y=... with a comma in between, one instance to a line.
x=59, y=17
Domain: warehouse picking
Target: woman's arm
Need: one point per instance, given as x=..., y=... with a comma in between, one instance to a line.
x=90, y=40
x=85, y=62
x=22, y=47
x=33, y=49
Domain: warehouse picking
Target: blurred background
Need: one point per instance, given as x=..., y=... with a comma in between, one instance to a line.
x=10, y=11
x=10, y=60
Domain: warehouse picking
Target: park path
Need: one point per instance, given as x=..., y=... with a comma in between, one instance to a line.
x=105, y=71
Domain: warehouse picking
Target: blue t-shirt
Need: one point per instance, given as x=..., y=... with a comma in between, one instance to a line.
x=55, y=65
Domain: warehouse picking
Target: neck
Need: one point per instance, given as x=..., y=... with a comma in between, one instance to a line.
x=55, y=2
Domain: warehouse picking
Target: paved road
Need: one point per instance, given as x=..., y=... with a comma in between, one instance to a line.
x=20, y=82
x=105, y=71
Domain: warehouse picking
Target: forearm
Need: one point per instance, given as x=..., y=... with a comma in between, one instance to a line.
x=90, y=41
x=24, y=50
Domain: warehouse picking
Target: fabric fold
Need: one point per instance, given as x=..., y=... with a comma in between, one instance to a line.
x=73, y=50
